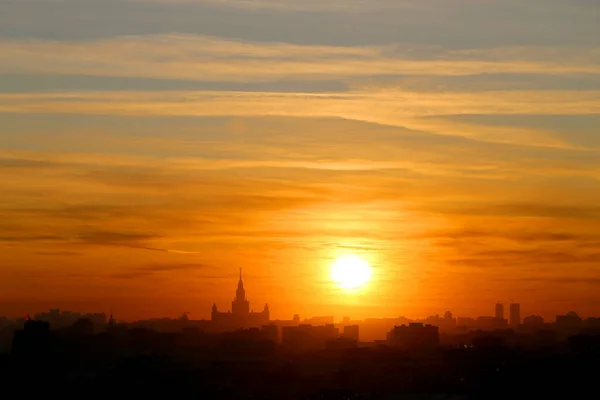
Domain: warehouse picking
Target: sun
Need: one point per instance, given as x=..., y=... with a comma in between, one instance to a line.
x=350, y=272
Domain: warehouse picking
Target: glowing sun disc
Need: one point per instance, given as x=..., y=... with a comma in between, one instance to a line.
x=350, y=272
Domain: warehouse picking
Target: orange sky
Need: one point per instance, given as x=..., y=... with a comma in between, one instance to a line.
x=144, y=161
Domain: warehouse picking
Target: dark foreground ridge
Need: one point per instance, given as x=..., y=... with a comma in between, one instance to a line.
x=304, y=362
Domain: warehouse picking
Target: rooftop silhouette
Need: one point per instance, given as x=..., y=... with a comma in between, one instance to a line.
x=243, y=354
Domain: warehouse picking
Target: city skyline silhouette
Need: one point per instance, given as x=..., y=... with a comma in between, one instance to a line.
x=315, y=358
x=242, y=316
x=299, y=199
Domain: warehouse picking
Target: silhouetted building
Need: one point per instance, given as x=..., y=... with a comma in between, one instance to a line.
x=499, y=321
x=569, y=322
x=342, y=343
x=240, y=315
x=486, y=323
x=488, y=341
x=466, y=323
x=324, y=320
x=533, y=321
x=545, y=337
x=499, y=311
x=307, y=337
x=271, y=332
x=245, y=344
x=312, y=363
x=515, y=315
x=62, y=319
x=55, y=318
x=83, y=326
x=447, y=324
x=351, y=332
x=97, y=319
x=432, y=320
x=33, y=340
x=5, y=322
x=592, y=323
x=415, y=336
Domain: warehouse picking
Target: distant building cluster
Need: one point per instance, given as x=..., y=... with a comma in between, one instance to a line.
x=60, y=319
x=322, y=332
x=414, y=336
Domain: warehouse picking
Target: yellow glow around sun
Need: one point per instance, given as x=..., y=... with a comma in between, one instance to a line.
x=350, y=272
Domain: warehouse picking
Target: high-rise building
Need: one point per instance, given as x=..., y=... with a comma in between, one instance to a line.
x=240, y=316
x=240, y=305
x=448, y=323
x=351, y=332
x=499, y=322
x=515, y=315
x=499, y=311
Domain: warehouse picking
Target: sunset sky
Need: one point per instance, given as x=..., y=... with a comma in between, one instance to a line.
x=151, y=148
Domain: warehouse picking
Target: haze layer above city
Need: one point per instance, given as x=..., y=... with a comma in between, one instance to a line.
x=366, y=158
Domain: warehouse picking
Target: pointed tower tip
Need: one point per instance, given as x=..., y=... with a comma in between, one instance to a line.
x=240, y=274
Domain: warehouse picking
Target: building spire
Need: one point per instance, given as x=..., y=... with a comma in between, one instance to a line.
x=240, y=293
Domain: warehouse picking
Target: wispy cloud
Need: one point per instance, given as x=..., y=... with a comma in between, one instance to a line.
x=543, y=210
x=453, y=142
x=518, y=236
x=558, y=280
x=214, y=59
x=152, y=269
x=341, y=22
x=58, y=253
x=395, y=108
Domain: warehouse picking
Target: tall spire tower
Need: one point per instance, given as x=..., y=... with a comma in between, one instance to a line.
x=240, y=315
x=240, y=294
x=240, y=305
